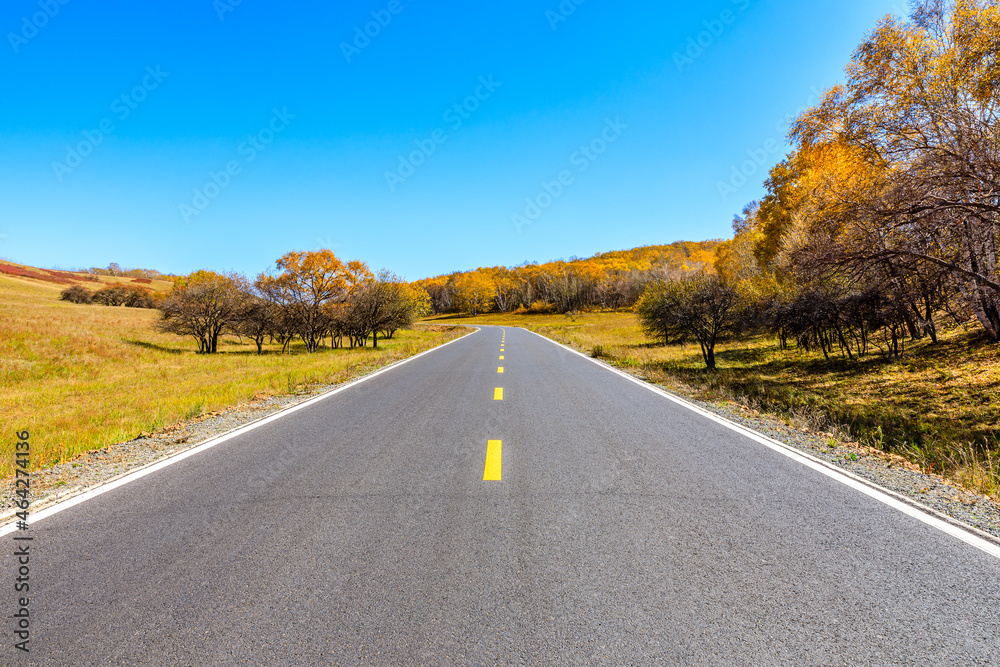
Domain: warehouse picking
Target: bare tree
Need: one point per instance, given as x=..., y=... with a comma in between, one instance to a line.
x=699, y=306
x=255, y=319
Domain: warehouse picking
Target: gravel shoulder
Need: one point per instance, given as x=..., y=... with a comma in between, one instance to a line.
x=889, y=471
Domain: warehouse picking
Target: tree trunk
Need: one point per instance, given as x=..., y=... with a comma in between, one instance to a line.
x=844, y=345
x=708, y=353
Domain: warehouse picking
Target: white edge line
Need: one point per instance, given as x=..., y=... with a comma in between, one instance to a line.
x=949, y=525
x=212, y=442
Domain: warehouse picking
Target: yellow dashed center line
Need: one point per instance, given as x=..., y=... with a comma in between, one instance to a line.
x=493, y=447
x=493, y=461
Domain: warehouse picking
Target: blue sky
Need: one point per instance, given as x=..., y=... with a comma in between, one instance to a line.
x=221, y=134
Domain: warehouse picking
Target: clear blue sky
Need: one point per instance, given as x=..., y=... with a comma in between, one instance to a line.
x=159, y=96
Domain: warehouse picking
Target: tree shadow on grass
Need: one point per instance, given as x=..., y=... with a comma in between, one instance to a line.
x=249, y=351
x=293, y=352
x=153, y=346
x=649, y=345
x=447, y=317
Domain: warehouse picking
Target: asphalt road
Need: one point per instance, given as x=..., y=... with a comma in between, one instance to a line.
x=624, y=530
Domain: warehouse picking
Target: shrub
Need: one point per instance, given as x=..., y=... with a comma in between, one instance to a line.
x=130, y=296
x=77, y=294
x=540, y=307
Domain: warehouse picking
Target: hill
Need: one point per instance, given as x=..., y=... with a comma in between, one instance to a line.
x=158, y=282
x=606, y=280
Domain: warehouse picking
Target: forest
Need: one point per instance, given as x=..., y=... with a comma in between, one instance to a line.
x=607, y=280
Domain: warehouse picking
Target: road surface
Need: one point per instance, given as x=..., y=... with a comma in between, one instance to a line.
x=424, y=517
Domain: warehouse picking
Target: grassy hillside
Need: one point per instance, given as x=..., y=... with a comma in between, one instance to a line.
x=939, y=405
x=82, y=377
x=66, y=278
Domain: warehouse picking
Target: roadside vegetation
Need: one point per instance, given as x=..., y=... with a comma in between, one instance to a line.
x=83, y=376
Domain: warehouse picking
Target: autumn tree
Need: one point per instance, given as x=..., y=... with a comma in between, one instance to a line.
x=307, y=281
x=505, y=290
x=374, y=305
x=284, y=321
x=440, y=292
x=474, y=293
x=406, y=304
x=257, y=317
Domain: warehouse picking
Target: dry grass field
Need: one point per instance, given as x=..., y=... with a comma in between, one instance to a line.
x=939, y=405
x=80, y=377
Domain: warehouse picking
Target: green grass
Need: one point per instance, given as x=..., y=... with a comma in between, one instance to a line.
x=939, y=405
x=83, y=377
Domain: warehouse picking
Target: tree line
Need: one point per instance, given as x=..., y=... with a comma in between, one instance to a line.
x=116, y=270
x=607, y=281
x=315, y=296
